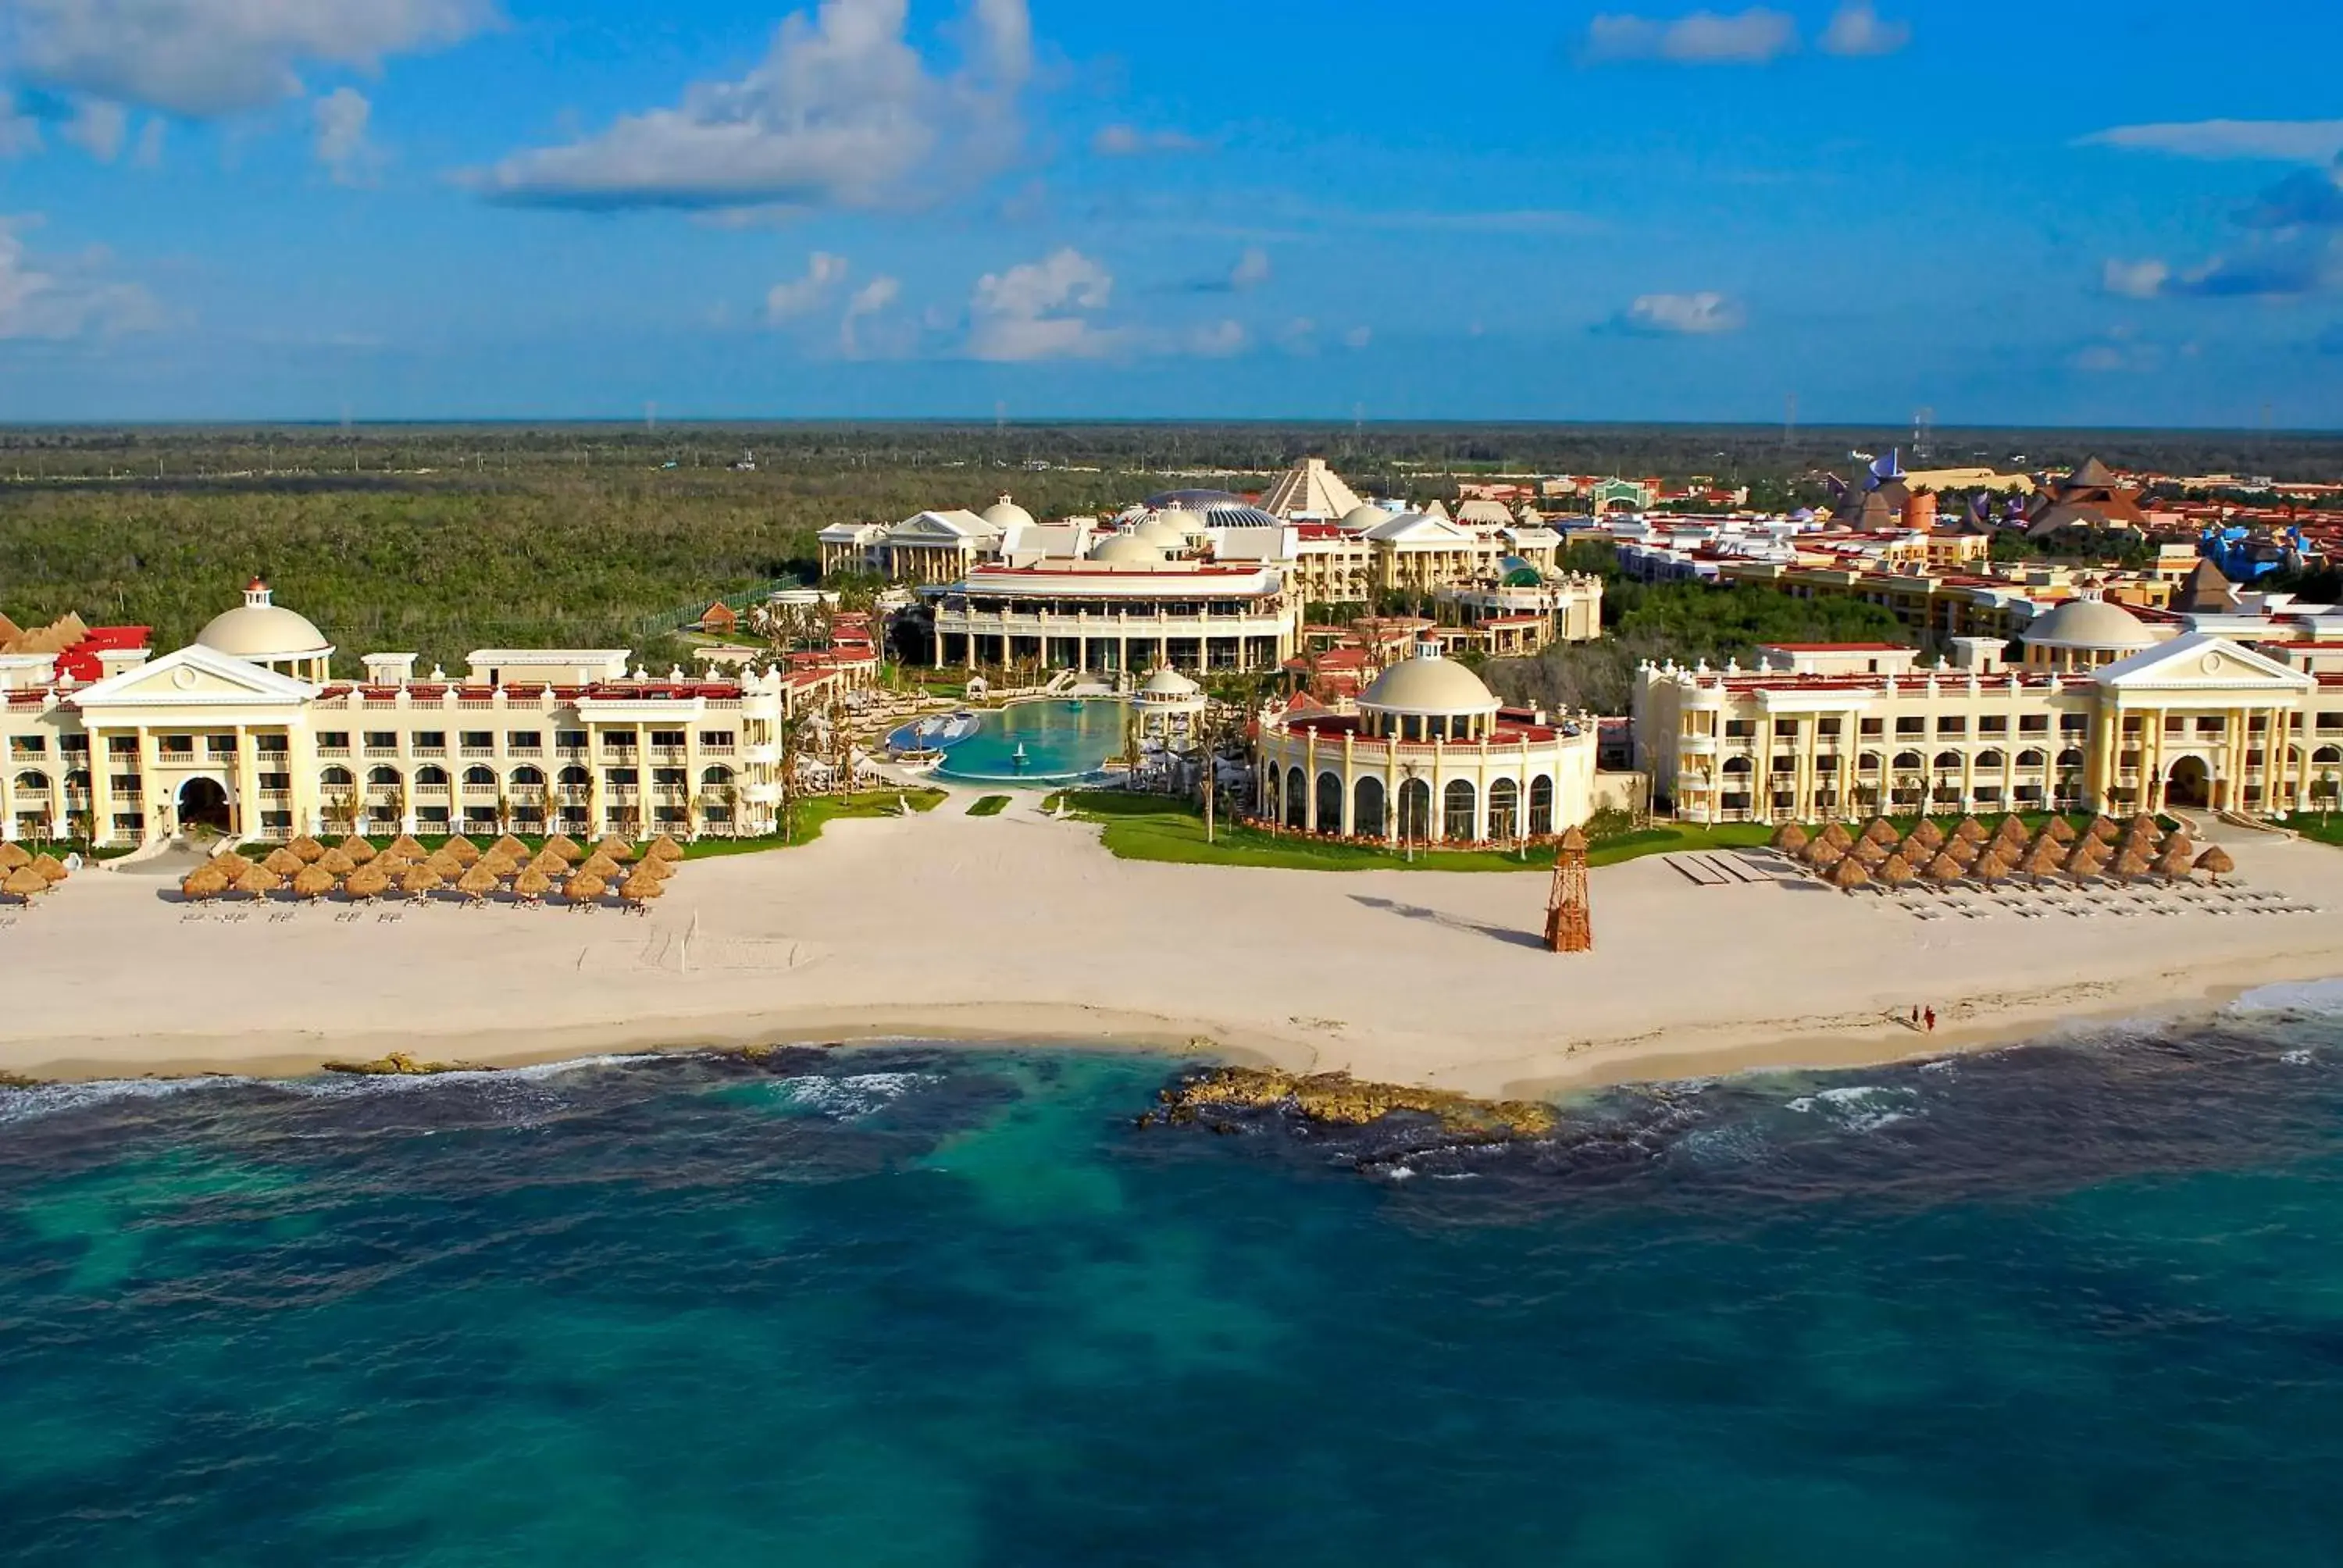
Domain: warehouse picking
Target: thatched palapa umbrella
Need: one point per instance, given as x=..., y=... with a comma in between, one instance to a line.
x=23, y=884
x=532, y=885
x=337, y=862
x=367, y=883
x=1838, y=837
x=563, y=845
x=258, y=881
x=584, y=888
x=2047, y=858
x=1992, y=867
x=511, y=849
x=548, y=864
x=308, y=848
x=467, y=853
x=618, y=848
x=664, y=848
x=1883, y=833
x=1896, y=873
x=1789, y=839
x=477, y=884
x=2085, y=860
x=2175, y=865
x=406, y=846
x=1945, y=871
x=284, y=863
x=2060, y=829
x=642, y=886
x=1968, y=851
x=205, y=883
x=2011, y=829
x=420, y=882
x=14, y=857
x=1846, y=876
x=2133, y=864
x=449, y=866
x=1969, y=830
x=2103, y=829
x=1927, y=834
x=49, y=868
x=2145, y=823
x=660, y=870
x=599, y=864
x=1871, y=852
x=499, y=865
x=2216, y=863
x=234, y=864
x=359, y=849
x=1823, y=856
x=312, y=883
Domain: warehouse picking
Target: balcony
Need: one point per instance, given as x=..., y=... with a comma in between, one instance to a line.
x=334, y=753
x=477, y=753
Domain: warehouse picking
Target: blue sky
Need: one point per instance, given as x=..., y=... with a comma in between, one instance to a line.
x=2085, y=213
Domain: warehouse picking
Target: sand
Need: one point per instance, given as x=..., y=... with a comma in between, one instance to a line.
x=1018, y=927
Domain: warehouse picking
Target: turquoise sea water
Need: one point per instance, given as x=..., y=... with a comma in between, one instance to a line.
x=2074, y=1305
x=1063, y=741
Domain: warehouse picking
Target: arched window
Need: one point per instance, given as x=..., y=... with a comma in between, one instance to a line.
x=382, y=777
x=77, y=780
x=1504, y=810
x=2328, y=754
x=1415, y=810
x=335, y=779
x=1867, y=763
x=1297, y=799
x=1367, y=809
x=33, y=783
x=1738, y=765
x=429, y=775
x=1457, y=819
x=1907, y=762
x=1541, y=808
x=528, y=778
x=1948, y=761
x=1330, y=803
x=1989, y=762
x=480, y=777
x=2070, y=758
x=2030, y=760
x=716, y=778
x=576, y=779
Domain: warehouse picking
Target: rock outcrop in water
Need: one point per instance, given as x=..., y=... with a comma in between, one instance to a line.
x=1338, y=1100
x=18, y=1081
x=398, y=1064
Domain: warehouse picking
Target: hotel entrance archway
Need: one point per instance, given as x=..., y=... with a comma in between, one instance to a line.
x=204, y=804
x=2190, y=784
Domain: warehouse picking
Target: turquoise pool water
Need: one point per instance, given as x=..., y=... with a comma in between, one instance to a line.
x=1061, y=741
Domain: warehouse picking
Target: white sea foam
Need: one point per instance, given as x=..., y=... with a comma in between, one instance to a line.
x=1859, y=1107
x=1401, y=1173
x=846, y=1098
x=53, y=1098
x=2323, y=997
x=2302, y=1058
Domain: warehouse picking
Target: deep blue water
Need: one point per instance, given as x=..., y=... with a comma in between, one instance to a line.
x=2080, y=1303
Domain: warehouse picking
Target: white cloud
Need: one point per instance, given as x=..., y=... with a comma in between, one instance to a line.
x=1700, y=315
x=200, y=58
x=797, y=296
x=1703, y=38
x=843, y=111
x=2277, y=141
x=1218, y=340
x=2135, y=279
x=1036, y=311
x=99, y=128
x=20, y=133
x=341, y=119
x=1128, y=141
x=56, y=299
x=1855, y=29
x=1252, y=270
x=1358, y=338
x=868, y=301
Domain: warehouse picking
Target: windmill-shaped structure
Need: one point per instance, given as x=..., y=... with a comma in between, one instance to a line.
x=1569, y=916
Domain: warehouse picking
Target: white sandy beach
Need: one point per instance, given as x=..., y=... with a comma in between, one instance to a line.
x=1018, y=927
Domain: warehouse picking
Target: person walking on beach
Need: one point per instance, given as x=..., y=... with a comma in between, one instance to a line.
x=1915, y=1018
x=1932, y=1020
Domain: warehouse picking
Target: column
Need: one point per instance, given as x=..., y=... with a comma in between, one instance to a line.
x=2151, y=761
x=101, y=790
x=1436, y=812
x=7, y=800
x=2103, y=734
x=248, y=820
x=1310, y=776
x=1350, y=784
x=1761, y=796
x=151, y=802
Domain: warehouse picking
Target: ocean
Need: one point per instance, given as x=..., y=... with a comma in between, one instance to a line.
x=2076, y=1303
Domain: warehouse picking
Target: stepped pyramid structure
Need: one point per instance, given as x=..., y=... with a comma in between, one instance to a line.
x=1312, y=491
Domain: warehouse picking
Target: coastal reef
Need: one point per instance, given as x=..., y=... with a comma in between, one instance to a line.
x=1338, y=1100
x=398, y=1064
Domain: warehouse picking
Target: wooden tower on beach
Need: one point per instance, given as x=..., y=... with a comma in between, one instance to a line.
x=1569, y=916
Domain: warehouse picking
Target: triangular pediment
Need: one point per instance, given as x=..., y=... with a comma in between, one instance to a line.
x=195, y=677
x=2202, y=661
x=1418, y=529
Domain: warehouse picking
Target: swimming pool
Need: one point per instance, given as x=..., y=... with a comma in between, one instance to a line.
x=1059, y=741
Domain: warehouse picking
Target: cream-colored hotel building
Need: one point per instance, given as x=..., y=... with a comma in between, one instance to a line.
x=245, y=731
x=2101, y=715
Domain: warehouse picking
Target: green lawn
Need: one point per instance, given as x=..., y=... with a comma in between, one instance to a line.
x=2326, y=827
x=1150, y=828
x=990, y=806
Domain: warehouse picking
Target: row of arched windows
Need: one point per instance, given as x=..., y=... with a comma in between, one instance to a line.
x=1292, y=797
x=522, y=778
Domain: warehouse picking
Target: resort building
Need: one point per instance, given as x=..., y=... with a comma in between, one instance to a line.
x=1425, y=756
x=246, y=732
x=1127, y=607
x=2099, y=717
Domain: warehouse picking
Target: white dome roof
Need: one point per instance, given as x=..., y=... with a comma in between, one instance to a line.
x=1360, y=518
x=1181, y=521
x=1006, y=514
x=2092, y=625
x=1127, y=550
x=1161, y=534
x=261, y=631
x=1168, y=683
x=1428, y=683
